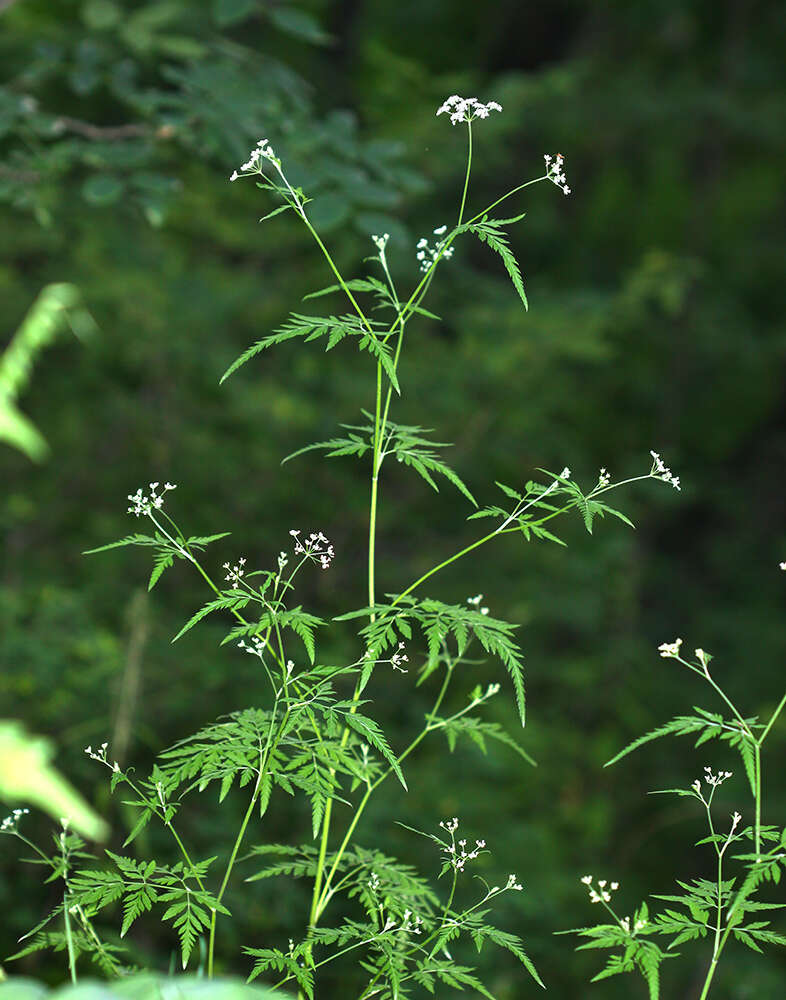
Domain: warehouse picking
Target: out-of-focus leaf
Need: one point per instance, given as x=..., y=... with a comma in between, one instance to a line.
x=27, y=775
x=299, y=24
x=231, y=11
x=102, y=189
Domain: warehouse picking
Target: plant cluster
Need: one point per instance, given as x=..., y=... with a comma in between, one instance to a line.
x=311, y=732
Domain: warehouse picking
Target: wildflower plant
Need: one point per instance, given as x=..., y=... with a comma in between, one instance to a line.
x=314, y=734
x=725, y=906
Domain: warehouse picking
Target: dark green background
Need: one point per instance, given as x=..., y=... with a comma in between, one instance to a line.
x=656, y=321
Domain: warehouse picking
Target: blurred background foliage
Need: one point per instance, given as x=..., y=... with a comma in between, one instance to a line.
x=656, y=321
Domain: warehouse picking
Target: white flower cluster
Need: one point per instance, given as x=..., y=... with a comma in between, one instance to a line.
x=100, y=756
x=475, y=601
x=380, y=242
x=459, y=857
x=373, y=882
x=398, y=658
x=670, y=649
x=661, y=471
x=257, y=646
x=782, y=565
x=316, y=547
x=554, y=171
x=11, y=823
x=603, y=479
x=466, y=109
x=637, y=926
x=411, y=923
x=602, y=894
x=144, y=504
x=234, y=573
x=714, y=780
x=263, y=151
x=427, y=254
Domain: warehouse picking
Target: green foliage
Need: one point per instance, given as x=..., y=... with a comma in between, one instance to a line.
x=438, y=622
x=139, y=885
x=640, y=320
x=368, y=333
x=407, y=443
x=491, y=232
x=708, y=726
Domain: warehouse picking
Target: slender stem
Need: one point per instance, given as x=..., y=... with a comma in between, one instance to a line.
x=372, y=528
x=719, y=916
x=69, y=938
x=341, y=281
x=504, y=197
x=227, y=873
x=316, y=895
x=770, y=724
x=466, y=178
x=723, y=695
x=710, y=973
x=263, y=758
x=447, y=562
x=324, y=898
x=757, y=795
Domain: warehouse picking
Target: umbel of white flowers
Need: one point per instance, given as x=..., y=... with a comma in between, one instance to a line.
x=661, y=471
x=426, y=254
x=466, y=109
x=263, y=151
x=603, y=893
x=316, y=547
x=144, y=504
x=554, y=171
x=10, y=823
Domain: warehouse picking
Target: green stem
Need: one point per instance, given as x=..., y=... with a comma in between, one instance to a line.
x=757, y=795
x=69, y=938
x=315, y=913
x=263, y=758
x=770, y=724
x=731, y=705
x=227, y=873
x=716, y=946
x=504, y=197
x=324, y=898
x=447, y=562
x=466, y=178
